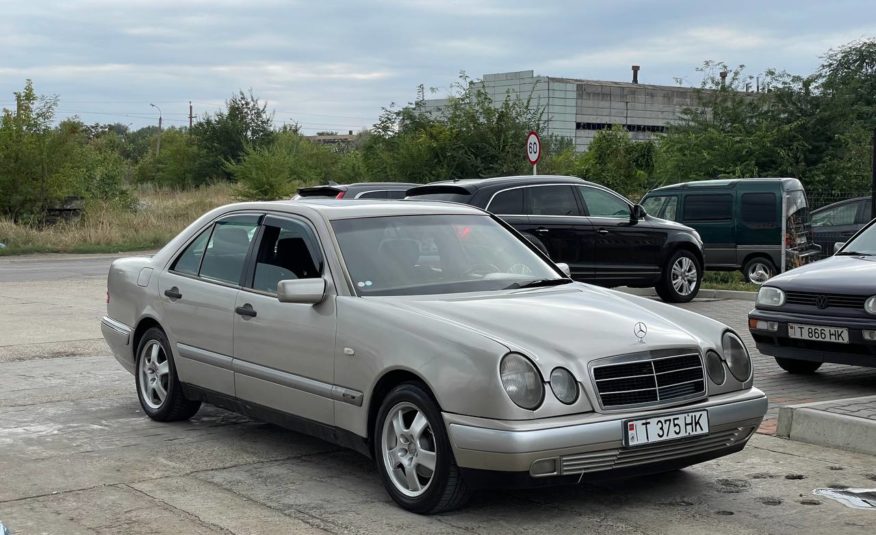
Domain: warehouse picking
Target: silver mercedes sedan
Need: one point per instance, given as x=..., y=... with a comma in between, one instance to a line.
x=431, y=337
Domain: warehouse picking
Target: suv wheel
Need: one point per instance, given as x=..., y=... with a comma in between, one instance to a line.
x=681, y=278
x=413, y=453
x=758, y=270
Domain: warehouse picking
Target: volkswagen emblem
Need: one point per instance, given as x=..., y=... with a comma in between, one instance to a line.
x=822, y=302
x=640, y=330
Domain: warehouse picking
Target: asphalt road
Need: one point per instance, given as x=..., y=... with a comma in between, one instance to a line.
x=77, y=455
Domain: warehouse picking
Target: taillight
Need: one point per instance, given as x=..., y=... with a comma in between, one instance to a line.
x=340, y=195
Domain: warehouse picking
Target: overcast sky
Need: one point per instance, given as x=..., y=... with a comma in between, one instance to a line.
x=332, y=65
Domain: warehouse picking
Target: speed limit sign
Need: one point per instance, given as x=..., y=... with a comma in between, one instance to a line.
x=533, y=148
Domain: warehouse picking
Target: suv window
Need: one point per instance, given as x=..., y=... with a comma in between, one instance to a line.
x=508, y=202
x=288, y=250
x=599, y=203
x=760, y=210
x=190, y=259
x=708, y=207
x=552, y=200
x=227, y=248
x=664, y=207
x=839, y=215
x=376, y=194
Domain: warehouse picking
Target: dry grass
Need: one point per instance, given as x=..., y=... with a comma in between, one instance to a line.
x=107, y=228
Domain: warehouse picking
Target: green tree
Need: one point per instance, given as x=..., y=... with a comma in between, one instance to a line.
x=224, y=136
x=616, y=161
x=178, y=165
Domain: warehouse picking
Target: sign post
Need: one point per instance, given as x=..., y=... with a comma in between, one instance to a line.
x=533, y=150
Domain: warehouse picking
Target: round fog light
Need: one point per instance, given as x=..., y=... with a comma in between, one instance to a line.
x=564, y=385
x=715, y=368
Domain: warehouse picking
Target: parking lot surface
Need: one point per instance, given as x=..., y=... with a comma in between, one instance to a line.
x=77, y=455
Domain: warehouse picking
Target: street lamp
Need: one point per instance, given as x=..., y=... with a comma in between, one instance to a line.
x=158, y=143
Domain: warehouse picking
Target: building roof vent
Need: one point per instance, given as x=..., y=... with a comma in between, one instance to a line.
x=635, y=74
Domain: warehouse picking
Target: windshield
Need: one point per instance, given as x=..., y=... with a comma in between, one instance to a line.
x=863, y=245
x=432, y=254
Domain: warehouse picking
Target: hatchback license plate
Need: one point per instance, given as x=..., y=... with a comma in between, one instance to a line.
x=660, y=428
x=837, y=335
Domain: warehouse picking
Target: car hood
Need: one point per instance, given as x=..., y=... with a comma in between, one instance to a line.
x=837, y=274
x=568, y=325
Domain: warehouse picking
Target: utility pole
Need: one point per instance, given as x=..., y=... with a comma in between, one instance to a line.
x=873, y=181
x=191, y=117
x=158, y=143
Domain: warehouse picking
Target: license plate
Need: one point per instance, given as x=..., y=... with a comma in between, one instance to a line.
x=660, y=428
x=837, y=335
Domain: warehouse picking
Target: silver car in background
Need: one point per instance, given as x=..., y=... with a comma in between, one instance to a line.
x=431, y=337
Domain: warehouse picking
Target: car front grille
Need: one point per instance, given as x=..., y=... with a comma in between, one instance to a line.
x=597, y=461
x=819, y=300
x=648, y=380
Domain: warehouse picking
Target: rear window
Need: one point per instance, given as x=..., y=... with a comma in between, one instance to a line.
x=759, y=210
x=708, y=207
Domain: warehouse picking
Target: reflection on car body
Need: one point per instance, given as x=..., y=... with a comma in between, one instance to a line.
x=430, y=336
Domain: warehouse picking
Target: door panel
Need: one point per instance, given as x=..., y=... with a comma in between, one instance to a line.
x=198, y=312
x=555, y=218
x=284, y=352
x=711, y=214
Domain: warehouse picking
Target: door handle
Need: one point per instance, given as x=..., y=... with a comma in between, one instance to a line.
x=173, y=293
x=542, y=230
x=246, y=310
x=603, y=231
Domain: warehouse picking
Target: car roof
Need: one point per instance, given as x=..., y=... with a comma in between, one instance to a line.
x=730, y=183
x=473, y=184
x=331, y=209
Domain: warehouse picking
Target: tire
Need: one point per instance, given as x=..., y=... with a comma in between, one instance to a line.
x=681, y=278
x=155, y=373
x=758, y=270
x=798, y=367
x=537, y=242
x=399, y=445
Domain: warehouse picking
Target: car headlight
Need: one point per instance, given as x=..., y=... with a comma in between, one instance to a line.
x=715, y=367
x=736, y=356
x=870, y=305
x=770, y=296
x=522, y=381
x=564, y=385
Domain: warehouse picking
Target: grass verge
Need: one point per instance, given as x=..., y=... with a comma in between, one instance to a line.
x=727, y=280
x=105, y=227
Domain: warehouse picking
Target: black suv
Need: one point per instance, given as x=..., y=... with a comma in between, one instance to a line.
x=604, y=238
x=360, y=190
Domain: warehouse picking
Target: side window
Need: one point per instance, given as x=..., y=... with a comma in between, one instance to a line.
x=843, y=214
x=190, y=260
x=508, y=202
x=864, y=213
x=552, y=200
x=288, y=250
x=601, y=203
x=759, y=210
x=670, y=209
x=396, y=194
x=226, y=251
x=708, y=207
x=379, y=194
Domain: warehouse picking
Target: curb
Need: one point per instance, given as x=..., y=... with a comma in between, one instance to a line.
x=705, y=293
x=809, y=423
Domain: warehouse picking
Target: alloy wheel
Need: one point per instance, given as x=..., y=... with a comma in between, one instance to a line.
x=684, y=276
x=759, y=273
x=154, y=372
x=408, y=449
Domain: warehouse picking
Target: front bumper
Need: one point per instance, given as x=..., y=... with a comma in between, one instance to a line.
x=594, y=443
x=118, y=338
x=858, y=351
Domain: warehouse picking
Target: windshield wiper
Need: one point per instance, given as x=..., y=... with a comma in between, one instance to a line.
x=854, y=253
x=537, y=283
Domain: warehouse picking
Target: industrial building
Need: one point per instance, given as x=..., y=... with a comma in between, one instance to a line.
x=576, y=109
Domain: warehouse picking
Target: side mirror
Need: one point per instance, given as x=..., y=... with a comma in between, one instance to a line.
x=564, y=267
x=307, y=291
x=637, y=213
x=838, y=245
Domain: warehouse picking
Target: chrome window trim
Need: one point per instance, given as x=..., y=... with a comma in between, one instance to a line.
x=358, y=195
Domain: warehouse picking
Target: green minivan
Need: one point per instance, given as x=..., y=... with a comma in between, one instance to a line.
x=760, y=226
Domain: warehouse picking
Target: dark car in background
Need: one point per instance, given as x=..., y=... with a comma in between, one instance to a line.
x=362, y=190
x=821, y=312
x=839, y=221
x=755, y=225
x=603, y=237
